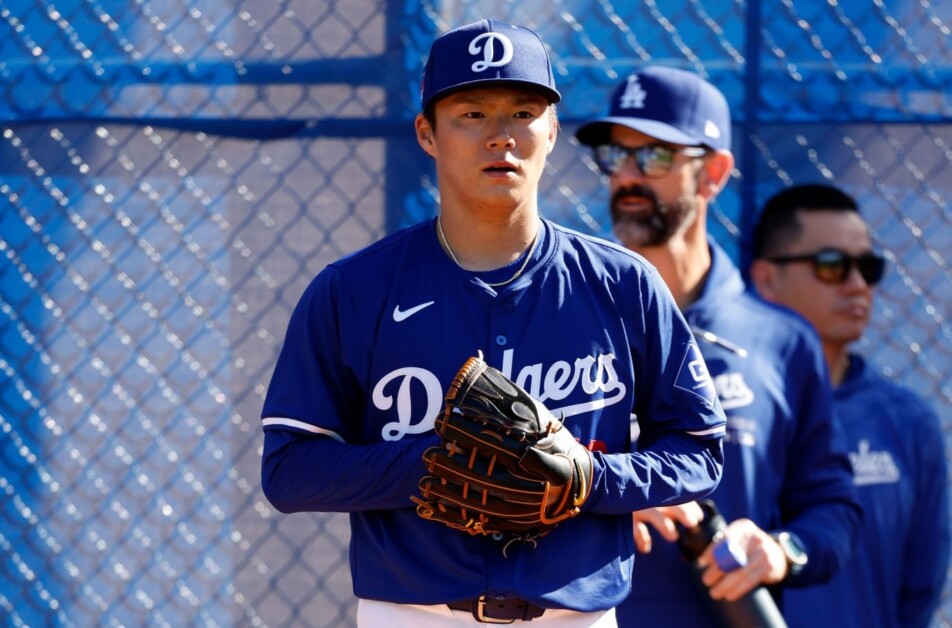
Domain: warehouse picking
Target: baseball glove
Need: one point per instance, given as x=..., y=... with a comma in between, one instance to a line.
x=505, y=464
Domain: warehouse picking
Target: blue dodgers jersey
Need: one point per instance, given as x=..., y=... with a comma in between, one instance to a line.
x=896, y=574
x=589, y=329
x=784, y=462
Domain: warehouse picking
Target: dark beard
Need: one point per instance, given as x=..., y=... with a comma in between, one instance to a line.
x=653, y=228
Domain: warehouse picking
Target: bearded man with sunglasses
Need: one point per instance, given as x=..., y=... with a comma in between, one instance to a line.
x=813, y=253
x=787, y=488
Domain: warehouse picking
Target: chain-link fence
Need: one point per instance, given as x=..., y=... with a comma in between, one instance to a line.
x=172, y=173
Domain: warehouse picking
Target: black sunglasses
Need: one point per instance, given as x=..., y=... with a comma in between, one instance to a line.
x=653, y=160
x=834, y=266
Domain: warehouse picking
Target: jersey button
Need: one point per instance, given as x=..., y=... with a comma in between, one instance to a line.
x=501, y=340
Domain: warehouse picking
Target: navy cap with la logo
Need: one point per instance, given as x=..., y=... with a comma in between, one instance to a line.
x=668, y=104
x=485, y=54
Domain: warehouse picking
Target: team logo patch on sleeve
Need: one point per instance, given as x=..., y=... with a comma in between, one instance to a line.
x=693, y=376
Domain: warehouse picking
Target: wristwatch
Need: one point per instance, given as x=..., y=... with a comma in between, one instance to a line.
x=793, y=550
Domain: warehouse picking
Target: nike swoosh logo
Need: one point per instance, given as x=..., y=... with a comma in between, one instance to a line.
x=402, y=315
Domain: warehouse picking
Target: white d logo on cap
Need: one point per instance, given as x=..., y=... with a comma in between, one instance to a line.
x=488, y=50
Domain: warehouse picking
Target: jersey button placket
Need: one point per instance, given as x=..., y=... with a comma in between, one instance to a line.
x=500, y=328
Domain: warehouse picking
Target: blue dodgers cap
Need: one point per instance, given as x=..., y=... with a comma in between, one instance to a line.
x=484, y=54
x=668, y=104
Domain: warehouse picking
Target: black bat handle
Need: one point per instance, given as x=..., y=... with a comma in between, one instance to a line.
x=757, y=609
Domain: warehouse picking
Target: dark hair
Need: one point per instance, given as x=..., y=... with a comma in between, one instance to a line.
x=778, y=224
x=429, y=114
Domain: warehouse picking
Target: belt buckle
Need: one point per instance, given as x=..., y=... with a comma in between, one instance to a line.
x=478, y=613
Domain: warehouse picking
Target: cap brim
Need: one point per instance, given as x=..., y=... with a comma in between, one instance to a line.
x=599, y=131
x=528, y=86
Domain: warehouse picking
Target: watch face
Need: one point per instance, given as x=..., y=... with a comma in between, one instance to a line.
x=793, y=548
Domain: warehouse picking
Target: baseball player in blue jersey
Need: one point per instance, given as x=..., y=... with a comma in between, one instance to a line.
x=787, y=490
x=814, y=254
x=583, y=325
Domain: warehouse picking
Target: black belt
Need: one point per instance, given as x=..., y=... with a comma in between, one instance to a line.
x=504, y=610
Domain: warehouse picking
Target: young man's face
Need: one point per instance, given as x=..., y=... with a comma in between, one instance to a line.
x=648, y=210
x=490, y=145
x=839, y=311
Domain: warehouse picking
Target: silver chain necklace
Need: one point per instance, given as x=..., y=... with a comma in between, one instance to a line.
x=525, y=262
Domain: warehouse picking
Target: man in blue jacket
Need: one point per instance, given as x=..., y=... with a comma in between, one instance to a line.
x=813, y=253
x=787, y=488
